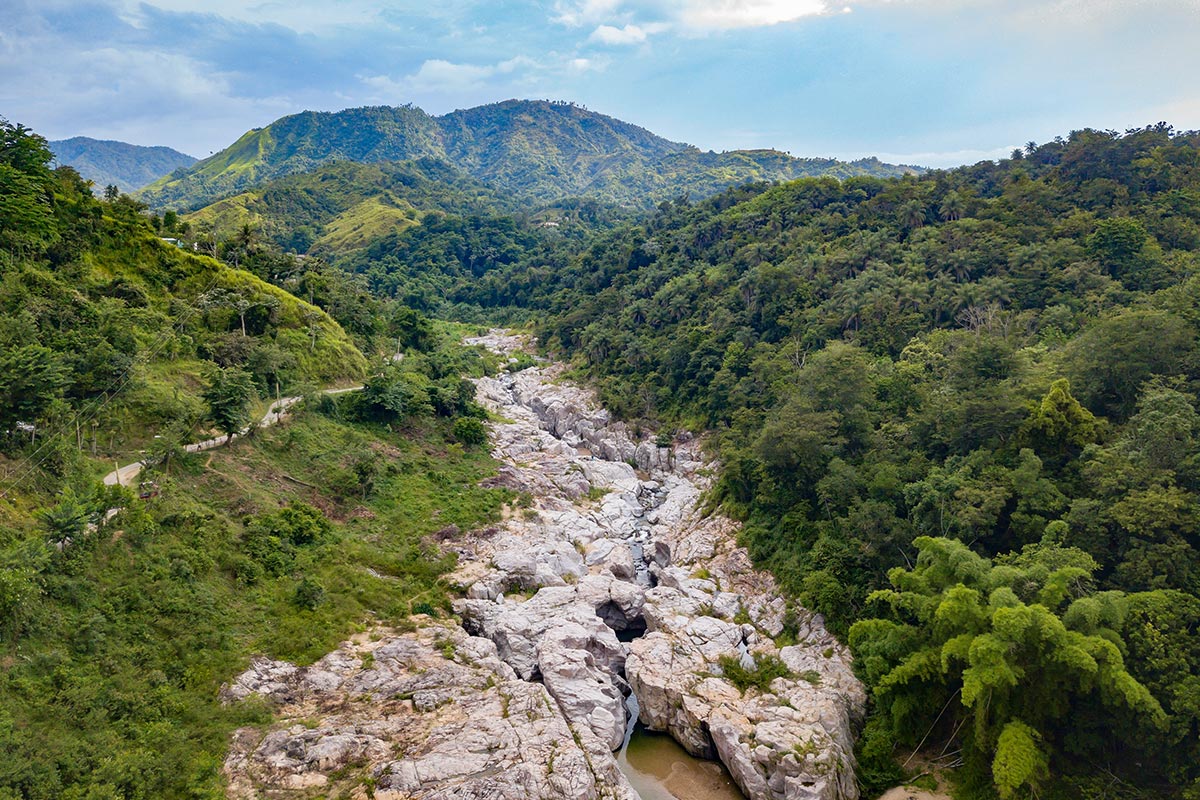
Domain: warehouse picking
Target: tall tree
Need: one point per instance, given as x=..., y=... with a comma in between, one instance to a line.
x=1007, y=653
x=228, y=395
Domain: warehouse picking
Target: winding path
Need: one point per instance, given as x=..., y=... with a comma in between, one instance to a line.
x=277, y=411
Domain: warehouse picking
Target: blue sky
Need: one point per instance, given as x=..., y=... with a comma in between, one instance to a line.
x=935, y=82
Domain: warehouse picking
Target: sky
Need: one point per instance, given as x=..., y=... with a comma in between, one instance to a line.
x=929, y=82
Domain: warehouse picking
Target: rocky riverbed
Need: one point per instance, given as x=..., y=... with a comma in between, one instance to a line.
x=604, y=579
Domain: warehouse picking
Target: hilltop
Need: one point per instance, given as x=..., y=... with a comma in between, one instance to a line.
x=129, y=167
x=534, y=149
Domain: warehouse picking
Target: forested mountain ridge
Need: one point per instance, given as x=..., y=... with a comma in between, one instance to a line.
x=412, y=230
x=129, y=167
x=535, y=149
x=1001, y=359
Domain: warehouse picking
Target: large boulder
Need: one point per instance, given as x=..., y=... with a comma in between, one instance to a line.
x=518, y=628
x=581, y=674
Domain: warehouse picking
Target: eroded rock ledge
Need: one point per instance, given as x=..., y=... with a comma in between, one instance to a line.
x=606, y=580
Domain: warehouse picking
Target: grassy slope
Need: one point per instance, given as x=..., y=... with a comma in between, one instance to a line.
x=344, y=204
x=112, y=689
x=141, y=293
x=166, y=276
x=372, y=219
x=299, y=143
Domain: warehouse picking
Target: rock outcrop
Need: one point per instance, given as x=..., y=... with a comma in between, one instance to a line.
x=603, y=578
x=431, y=714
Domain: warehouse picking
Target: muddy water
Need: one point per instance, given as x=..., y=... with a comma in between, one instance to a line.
x=659, y=769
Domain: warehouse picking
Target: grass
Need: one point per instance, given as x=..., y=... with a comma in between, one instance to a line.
x=110, y=681
x=365, y=222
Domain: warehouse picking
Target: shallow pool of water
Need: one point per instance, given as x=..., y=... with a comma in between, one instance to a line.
x=659, y=769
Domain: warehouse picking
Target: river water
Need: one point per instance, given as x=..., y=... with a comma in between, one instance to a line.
x=659, y=769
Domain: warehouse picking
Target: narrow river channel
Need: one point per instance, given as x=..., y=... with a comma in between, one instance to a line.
x=659, y=769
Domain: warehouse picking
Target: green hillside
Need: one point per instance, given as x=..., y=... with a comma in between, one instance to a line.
x=344, y=206
x=958, y=413
x=117, y=631
x=974, y=390
x=536, y=149
x=107, y=324
x=129, y=167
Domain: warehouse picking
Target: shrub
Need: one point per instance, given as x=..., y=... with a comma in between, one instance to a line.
x=470, y=431
x=767, y=667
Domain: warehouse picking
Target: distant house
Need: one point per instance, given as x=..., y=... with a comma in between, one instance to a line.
x=178, y=243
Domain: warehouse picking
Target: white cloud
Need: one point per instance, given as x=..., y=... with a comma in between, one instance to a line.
x=303, y=16
x=610, y=34
x=575, y=13
x=434, y=75
x=438, y=74
x=139, y=96
x=447, y=77
x=632, y=21
x=727, y=14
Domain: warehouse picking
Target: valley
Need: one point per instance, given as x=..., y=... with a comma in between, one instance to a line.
x=652, y=472
x=606, y=542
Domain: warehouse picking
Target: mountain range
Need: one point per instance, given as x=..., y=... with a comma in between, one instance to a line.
x=129, y=167
x=536, y=150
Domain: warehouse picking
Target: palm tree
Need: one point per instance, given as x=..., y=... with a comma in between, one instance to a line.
x=66, y=521
x=952, y=206
x=912, y=215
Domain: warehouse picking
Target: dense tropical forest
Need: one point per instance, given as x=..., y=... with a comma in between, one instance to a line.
x=956, y=412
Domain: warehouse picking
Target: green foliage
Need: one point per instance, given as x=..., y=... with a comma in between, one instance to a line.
x=115, y=649
x=1162, y=432
x=18, y=591
x=767, y=667
x=1003, y=354
x=1117, y=244
x=1013, y=649
x=116, y=634
x=66, y=521
x=874, y=752
x=32, y=377
x=272, y=540
x=309, y=594
x=534, y=149
x=1060, y=426
x=470, y=431
x=95, y=309
x=228, y=395
x=398, y=392
x=27, y=222
x=1019, y=762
